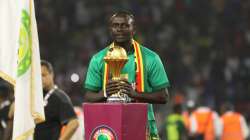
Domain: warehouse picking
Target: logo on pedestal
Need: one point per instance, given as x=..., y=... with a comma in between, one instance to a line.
x=103, y=132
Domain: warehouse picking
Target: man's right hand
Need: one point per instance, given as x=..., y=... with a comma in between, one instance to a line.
x=112, y=87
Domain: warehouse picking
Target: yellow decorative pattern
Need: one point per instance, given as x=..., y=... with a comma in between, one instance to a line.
x=7, y=78
x=26, y=135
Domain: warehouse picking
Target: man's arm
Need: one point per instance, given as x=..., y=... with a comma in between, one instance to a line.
x=94, y=97
x=69, y=130
x=159, y=97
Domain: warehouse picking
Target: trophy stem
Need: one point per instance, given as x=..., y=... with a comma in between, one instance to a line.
x=116, y=78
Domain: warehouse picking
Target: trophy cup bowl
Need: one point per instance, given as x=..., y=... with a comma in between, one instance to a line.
x=116, y=58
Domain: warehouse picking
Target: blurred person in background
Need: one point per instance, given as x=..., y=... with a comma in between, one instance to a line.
x=234, y=126
x=6, y=95
x=122, y=30
x=58, y=109
x=175, y=127
x=204, y=124
x=79, y=133
x=190, y=106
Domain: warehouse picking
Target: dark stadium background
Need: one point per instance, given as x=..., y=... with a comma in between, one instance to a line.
x=204, y=45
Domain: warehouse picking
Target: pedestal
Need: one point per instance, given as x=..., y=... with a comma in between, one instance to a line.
x=115, y=121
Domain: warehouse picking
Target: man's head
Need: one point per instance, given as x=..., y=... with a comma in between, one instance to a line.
x=227, y=106
x=121, y=27
x=47, y=75
x=190, y=105
x=177, y=108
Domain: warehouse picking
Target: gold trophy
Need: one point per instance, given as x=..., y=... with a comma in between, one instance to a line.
x=116, y=58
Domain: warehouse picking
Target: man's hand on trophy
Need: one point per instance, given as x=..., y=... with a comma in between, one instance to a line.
x=112, y=87
x=127, y=88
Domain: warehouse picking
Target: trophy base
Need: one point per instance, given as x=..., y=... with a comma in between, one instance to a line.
x=118, y=98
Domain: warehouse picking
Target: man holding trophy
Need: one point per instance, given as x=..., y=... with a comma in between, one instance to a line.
x=125, y=71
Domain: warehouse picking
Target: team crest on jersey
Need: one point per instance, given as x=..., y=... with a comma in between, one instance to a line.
x=103, y=132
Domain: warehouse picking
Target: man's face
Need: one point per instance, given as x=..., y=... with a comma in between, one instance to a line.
x=47, y=78
x=121, y=29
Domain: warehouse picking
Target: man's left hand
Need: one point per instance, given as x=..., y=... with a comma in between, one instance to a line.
x=126, y=88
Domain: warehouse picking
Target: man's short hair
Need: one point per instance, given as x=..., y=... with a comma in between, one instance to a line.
x=123, y=13
x=48, y=65
x=228, y=106
x=177, y=108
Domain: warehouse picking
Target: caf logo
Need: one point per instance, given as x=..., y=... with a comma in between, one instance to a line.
x=103, y=132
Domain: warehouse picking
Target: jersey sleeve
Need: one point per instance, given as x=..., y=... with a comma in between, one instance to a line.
x=157, y=76
x=93, y=81
x=66, y=110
